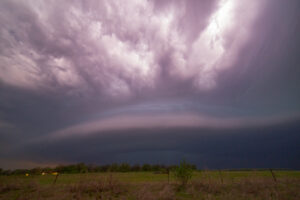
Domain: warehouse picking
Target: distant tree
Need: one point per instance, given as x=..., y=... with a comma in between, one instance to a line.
x=19, y=171
x=124, y=167
x=193, y=167
x=47, y=170
x=7, y=172
x=146, y=167
x=104, y=168
x=82, y=168
x=155, y=168
x=136, y=168
x=36, y=170
x=91, y=168
x=114, y=167
x=172, y=167
x=61, y=169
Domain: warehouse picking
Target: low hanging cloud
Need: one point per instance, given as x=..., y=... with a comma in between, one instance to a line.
x=117, y=48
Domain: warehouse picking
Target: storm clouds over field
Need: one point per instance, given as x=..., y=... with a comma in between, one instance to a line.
x=214, y=81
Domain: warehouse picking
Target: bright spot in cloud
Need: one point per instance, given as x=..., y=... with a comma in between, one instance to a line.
x=211, y=52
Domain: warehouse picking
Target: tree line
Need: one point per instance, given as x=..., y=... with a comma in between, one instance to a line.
x=83, y=168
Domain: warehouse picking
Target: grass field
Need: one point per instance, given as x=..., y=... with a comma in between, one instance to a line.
x=150, y=186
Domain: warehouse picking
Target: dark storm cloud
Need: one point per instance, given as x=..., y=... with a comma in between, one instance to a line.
x=72, y=65
x=259, y=146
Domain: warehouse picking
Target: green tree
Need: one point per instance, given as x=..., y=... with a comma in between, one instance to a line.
x=124, y=167
x=183, y=173
x=114, y=167
x=135, y=168
x=82, y=168
x=146, y=167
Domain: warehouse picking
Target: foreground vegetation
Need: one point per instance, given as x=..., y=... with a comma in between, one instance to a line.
x=153, y=185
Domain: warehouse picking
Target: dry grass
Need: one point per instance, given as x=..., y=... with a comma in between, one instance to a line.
x=110, y=187
x=246, y=188
x=9, y=187
x=157, y=191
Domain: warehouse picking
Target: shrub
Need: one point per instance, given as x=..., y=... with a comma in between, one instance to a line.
x=183, y=173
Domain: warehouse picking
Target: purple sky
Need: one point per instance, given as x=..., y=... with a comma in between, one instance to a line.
x=79, y=77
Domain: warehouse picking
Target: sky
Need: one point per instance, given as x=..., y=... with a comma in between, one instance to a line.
x=215, y=82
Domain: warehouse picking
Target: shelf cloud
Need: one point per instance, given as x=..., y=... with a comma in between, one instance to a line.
x=83, y=68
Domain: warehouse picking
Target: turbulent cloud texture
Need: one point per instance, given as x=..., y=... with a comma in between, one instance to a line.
x=72, y=68
x=119, y=48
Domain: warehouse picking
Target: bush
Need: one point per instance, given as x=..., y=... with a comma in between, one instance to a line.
x=183, y=173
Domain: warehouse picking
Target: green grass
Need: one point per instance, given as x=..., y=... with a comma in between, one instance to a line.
x=148, y=185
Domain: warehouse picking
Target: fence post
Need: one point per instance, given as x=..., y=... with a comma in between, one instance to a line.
x=221, y=176
x=55, y=179
x=168, y=170
x=273, y=175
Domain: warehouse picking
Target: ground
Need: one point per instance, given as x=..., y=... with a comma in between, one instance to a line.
x=152, y=186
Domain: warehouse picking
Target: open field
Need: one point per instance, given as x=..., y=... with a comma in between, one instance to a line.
x=151, y=186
